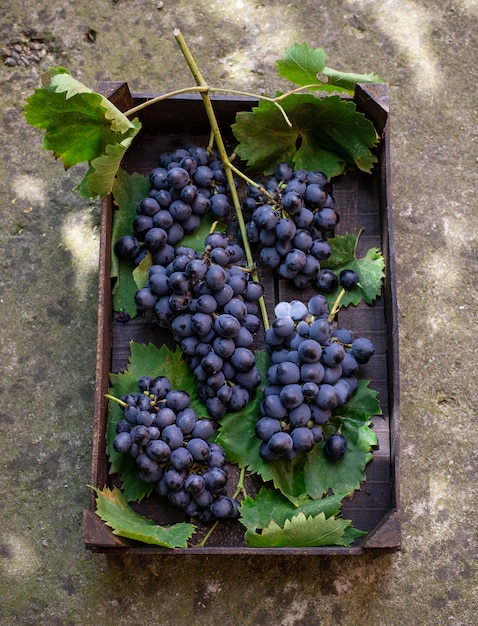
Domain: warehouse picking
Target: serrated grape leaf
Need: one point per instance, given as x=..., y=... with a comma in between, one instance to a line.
x=331, y=133
x=113, y=509
x=311, y=474
x=128, y=190
x=346, y=81
x=370, y=269
x=302, y=531
x=362, y=405
x=301, y=64
x=81, y=126
x=270, y=504
x=145, y=359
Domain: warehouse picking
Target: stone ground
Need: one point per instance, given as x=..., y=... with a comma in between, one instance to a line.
x=48, y=277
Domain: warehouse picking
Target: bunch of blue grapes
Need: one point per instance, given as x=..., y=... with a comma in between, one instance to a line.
x=211, y=306
x=187, y=183
x=292, y=223
x=314, y=370
x=171, y=448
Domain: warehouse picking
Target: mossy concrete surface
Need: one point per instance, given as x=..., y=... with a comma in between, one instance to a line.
x=48, y=281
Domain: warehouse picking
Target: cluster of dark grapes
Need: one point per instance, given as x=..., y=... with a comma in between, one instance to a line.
x=291, y=223
x=170, y=445
x=210, y=304
x=186, y=184
x=314, y=370
x=207, y=300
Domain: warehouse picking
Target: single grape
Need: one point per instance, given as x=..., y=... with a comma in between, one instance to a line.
x=291, y=395
x=224, y=508
x=173, y=436
x=177, y=177
x=215, y=479
x=327, y=397
x=158, y=450
x=349, y=279
x=335, y=447
x=181, y=459
x=326, y=219
x=362, y=350
x=281, y=443
x=327, y=281
x=266, y=426
x=302, y=439
x=127, y=247
x=199, y=449
x=333, y=354
x=194, y=484
x=122, y=442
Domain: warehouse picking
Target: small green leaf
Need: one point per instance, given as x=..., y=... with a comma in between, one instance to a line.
x=347, y=81
x=81, y=126
x=270, y=504
x=302, y=531
x=370, y=269
x=331, y=134
x=113, y=509
x=128, y=190
x=302, y=64
x=140, y=272
x=362, y=405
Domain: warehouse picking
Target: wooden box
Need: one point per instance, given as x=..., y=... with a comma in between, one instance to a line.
x=362, y=200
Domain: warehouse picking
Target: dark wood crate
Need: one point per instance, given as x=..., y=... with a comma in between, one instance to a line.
x=362, y=200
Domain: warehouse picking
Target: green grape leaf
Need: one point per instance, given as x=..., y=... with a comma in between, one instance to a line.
x=332, y=135
x=346, y=81
x=362, y=405
x=270, y=504
x=302, y=531
x=140, y=272
x=301, y=64
x=81, y=126
x=145, y=359
x=312, y=474
x=113, y=509
x=370, y=269
x=128, y=190
x=196, y=240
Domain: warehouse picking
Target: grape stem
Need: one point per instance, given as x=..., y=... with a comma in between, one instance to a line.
x=224, y=158
x=117, y=400
x=207, y=535
x=357, y=240
x=241, y=488
x=204, y=89
x=336, y=306
x=249, y=181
